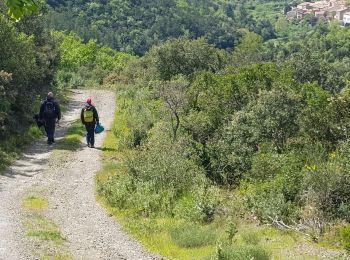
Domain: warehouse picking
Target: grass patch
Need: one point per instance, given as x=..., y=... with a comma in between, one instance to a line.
x=72, y=139
x=251, y=238
x=43, y=228
x=189, y=236
x=44, y=233
x=33, y=202
x=57, y=256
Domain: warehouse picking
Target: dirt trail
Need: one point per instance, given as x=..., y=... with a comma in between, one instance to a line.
x=90, y=232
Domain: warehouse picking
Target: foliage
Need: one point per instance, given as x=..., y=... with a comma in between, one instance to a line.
x=345, y=235
x=136, y=26
x=85, y=64
x=27, y=64
x=158, y=177
x=178, y=56
x=17, y=9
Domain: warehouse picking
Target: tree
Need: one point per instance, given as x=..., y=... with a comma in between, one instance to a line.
x=18, y=8
x=173, y=93
x=179, y=56
x=248, y=49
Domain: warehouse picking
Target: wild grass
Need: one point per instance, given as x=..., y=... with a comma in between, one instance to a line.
x=72, y=139
x=191, y=235
x=43, y=228
x=43, y=231
x=33, y=202
x=57, y=256
x=242, y=253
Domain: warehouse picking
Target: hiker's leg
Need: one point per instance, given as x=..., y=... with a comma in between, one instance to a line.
x=53, y=132
x=50, y=130
x=88, y=134
x=92, y=140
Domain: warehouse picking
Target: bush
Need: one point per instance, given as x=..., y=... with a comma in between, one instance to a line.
x=267, y=202
x=198, y=207
x=242, y=253
x=158, y=177
x=330, y=181
x=345, y=235
x=190, y=236
x=137, y=115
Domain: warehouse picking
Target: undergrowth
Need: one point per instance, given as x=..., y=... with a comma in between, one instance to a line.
x=182, y=233
x=13, y=146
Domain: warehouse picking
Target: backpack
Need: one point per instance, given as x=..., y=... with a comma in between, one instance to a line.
x=88, y=114
x=49, y=110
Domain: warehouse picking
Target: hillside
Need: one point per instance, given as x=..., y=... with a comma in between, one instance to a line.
x=135, y=26
x=230, y=137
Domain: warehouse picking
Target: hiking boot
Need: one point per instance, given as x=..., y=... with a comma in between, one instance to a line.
x=92, y=146
x=88, y=145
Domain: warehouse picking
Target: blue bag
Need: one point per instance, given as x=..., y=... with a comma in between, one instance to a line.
x=99, y=129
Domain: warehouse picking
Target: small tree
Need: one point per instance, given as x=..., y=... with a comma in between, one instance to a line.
x=174, y=94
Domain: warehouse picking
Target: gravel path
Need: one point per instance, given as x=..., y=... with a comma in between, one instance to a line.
x=90, y=232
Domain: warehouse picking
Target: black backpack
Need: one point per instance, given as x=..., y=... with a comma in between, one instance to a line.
x=49, y=110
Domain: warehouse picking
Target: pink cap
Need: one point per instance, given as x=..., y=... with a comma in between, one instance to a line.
x=89, y=101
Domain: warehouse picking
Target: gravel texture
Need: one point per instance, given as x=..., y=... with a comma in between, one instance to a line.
x=69, y=182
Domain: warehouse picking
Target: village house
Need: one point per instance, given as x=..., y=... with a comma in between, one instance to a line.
x=331, y=9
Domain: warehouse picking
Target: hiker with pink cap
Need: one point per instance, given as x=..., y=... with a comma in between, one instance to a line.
x=89, y=117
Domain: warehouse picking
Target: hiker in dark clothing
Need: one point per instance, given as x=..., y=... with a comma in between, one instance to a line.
x=89, y=117
x=50, y=113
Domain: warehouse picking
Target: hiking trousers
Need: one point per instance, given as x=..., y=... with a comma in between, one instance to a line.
x=50, y=130
x=90, y=136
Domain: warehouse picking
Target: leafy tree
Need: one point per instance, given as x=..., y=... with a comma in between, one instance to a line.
x=18, y=8
x=248, y=51
x=175, y=97
x=179, y=56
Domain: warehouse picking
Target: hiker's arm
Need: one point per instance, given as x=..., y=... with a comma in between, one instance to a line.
x=96, y=116
x=58, y=111
x=41, y=113
x=82, y=116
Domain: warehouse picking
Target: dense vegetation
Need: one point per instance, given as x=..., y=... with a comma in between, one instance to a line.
x=135, y=26
x=33, y=61
x=268, y=124
x=28, y=59
x=228, y=117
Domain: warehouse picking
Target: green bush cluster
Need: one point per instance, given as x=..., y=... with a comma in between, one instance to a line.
x=281, y=142
x=28, y=59
x=85, y=64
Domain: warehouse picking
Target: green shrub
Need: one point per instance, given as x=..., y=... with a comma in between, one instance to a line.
x=345, y=235
x=330, y=182
x=189, y=236
x=199, y=206
x=251, y=237
x=268, y=202
x=159, y=175
x=242, y=253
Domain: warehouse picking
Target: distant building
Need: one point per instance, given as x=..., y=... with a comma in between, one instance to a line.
x=330, y=9
x=346, y=18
